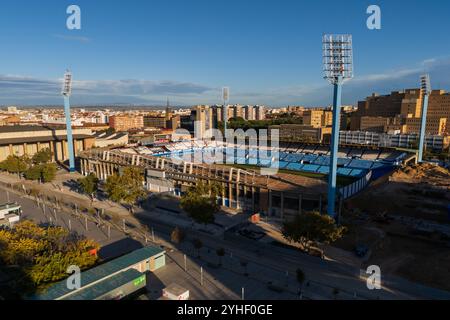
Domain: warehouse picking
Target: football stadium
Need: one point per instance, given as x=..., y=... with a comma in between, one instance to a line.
x=296, y=181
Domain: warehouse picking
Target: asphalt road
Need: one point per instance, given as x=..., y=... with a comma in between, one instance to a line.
x=325, y=275
x=266, y=263
x=210, y=289
x=43, y=214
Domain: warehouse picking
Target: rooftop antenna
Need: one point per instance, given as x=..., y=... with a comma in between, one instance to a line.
x=425, y=85
x=337, y=68
x=67, y=92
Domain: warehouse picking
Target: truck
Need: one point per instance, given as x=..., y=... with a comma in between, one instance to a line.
x=175, y=292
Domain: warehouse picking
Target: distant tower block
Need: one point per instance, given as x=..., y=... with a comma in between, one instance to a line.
x=337, y=67
x=67, y=92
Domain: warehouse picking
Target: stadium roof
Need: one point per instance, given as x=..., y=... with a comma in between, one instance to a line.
x=8, y=141
x=25, y=128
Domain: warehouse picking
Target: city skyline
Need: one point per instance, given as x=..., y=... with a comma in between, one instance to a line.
x=269, y=56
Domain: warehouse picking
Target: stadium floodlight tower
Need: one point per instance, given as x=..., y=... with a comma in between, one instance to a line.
x=66, y=92
x=426, y=90
x=226, y=97
x=337, y=67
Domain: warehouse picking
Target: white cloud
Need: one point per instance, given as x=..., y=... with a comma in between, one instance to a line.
x=25, y=88
x=16, y=89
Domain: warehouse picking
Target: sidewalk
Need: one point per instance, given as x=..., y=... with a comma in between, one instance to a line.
x=267, y=263
x=228, y=279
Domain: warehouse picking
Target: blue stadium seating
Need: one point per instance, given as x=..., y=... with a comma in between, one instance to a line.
x=317, y=163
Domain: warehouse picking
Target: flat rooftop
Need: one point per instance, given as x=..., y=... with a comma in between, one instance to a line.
x=104, y=287
x=101, y=272
x=25, y=128
x=31, y=134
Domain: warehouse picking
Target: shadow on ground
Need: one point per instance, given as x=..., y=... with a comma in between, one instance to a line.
x=119, y=248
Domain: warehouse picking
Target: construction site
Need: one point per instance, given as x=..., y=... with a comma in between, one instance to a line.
x=403, y=222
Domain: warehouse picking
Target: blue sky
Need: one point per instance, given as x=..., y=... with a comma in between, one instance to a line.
x=267, y=52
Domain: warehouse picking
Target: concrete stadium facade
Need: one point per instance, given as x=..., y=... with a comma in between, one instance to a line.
x=274, y=196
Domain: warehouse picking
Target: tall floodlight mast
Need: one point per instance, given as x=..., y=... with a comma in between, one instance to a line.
x=426, y=90
x=337, y=67
x=66, y=92
x=226, y=97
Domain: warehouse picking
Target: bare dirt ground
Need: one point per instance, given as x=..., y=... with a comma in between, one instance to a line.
x=403, y=221
x=419, y=191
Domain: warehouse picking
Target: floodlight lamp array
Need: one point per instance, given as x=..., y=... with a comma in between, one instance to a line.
x=425, y=83
x=337, y=58
x=67, y=85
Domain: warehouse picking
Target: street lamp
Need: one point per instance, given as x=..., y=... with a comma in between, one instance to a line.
x=426, y=90
x=337, y=67
x=67, y=92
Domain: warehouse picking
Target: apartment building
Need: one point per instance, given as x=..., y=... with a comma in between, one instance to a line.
x=249, y=112
x=126, y=122
x=155, y=122
x=317, y=118
x=260, y=113
x=401, y=110
x=300, y=132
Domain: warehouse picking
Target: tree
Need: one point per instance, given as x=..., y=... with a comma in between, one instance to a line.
x=113, y=188
x=198, y=244
x=33, y=173
x=48, y=172
x=42, y=157
x=200, y=202
x=42, y=172
x=220, y=253
x=311, y=227
x=89, y=184
x=15, y=164
x=41, y=255
x=177, y=236
x=126, y=188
